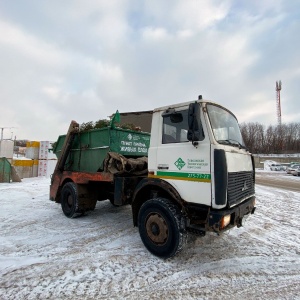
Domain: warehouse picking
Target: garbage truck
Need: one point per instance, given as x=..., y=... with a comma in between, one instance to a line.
x=191, y=175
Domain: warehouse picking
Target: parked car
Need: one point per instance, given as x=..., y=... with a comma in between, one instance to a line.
x=296, y=172
x=292, y=168
x=276, y=167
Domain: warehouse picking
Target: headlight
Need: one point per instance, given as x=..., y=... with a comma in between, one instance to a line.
x=225, y=221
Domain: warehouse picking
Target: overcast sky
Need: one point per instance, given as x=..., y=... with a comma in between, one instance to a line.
x=84, y=59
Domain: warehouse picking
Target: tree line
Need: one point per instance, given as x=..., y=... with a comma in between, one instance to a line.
x=277, y=139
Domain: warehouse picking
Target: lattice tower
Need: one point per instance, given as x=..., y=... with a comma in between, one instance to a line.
x=278, y=104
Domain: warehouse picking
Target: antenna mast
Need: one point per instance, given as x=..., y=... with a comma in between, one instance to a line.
x=278, y=104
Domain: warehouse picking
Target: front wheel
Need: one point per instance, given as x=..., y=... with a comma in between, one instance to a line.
x=69, y=200
x=161, y=227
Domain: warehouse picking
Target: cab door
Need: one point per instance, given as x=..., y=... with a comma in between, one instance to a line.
x=186, y=166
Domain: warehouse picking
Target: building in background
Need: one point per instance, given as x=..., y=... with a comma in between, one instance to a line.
x=38, y=161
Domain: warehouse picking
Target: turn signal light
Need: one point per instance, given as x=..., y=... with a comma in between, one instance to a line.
x=225, y=221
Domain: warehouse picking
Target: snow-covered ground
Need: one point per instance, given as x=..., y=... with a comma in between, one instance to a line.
x=44, y=255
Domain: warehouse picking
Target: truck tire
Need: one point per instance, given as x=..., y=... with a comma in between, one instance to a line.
x=69, y=200
x=162, y=227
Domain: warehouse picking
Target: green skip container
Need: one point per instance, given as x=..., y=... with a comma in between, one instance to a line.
x=5, y=170
x=90, y=148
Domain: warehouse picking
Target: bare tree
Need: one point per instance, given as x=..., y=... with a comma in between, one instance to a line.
x=273, y=139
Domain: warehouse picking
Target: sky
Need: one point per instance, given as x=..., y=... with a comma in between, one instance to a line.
x=84, y=59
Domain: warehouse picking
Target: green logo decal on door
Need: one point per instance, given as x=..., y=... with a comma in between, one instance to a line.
x=179, y=163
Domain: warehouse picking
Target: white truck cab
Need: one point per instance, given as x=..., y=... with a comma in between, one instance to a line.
x=197, y=148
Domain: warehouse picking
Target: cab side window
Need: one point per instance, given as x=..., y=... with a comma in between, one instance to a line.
x=175, y=127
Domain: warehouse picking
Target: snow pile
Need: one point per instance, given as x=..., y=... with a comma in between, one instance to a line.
x=44, y=255
x=267, y=165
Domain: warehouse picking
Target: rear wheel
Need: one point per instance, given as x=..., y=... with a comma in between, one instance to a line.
x=69, y=200
x=162, y=227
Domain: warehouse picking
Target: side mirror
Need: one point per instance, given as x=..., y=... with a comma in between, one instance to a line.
x=195, y=132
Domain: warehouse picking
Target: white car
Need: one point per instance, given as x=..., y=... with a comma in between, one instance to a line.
x=292, y=168
x=296, y=172
x=276, y=167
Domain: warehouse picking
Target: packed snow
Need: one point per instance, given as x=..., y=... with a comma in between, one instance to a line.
x=44, y=255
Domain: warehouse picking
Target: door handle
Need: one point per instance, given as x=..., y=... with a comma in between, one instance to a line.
x=163, y=167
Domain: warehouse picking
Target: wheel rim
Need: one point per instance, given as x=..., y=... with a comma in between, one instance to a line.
x=70, y=200
x=157, y=229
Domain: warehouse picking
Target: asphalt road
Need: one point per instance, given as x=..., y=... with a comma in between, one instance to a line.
x=278, y=180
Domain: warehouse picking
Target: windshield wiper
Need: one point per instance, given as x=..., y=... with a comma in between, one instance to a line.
x=232, y=143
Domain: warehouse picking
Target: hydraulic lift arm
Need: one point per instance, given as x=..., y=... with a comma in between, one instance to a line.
x=59, y=168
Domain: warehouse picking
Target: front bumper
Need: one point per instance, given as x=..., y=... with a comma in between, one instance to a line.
x=215, y=218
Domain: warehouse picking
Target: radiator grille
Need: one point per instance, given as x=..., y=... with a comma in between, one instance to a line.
x=240, y=187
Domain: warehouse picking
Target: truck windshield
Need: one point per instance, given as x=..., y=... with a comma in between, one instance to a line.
x=225, y=127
